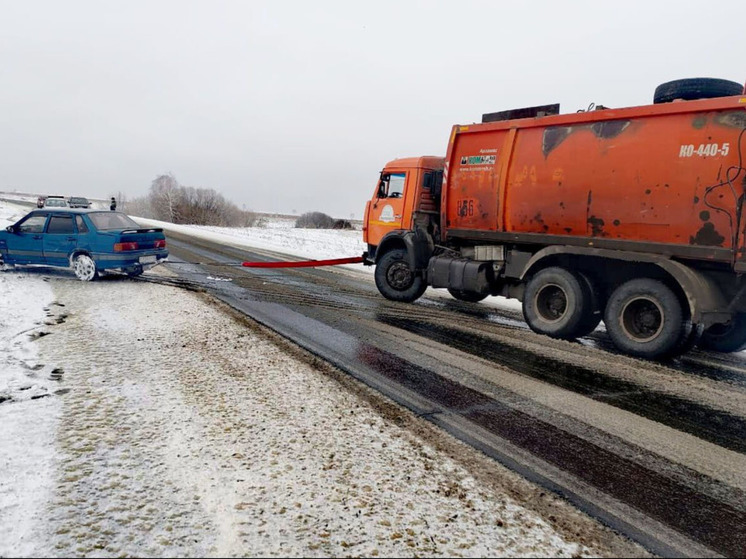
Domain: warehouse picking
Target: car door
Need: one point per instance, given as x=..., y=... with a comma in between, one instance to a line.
x=60, y=239
x=24, y=244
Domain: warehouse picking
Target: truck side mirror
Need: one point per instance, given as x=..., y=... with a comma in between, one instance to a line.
x=382, y=189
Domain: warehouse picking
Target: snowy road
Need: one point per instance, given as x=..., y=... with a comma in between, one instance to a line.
x=654, y=449
x=140, y=419
x=176, y=429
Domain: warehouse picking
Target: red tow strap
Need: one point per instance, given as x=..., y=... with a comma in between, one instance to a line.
x=304, y=263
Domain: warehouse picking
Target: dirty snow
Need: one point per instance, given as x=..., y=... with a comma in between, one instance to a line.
x=142, y=420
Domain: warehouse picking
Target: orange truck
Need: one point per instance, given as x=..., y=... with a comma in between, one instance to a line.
x=633, y=216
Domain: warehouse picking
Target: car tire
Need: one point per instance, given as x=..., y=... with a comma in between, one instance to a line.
x=645, y=318
x=396, y=280
x=725, y=338
x=84, y=267
x=556, y=302
x=696, y=88
x=135, y=271
x=467, y=296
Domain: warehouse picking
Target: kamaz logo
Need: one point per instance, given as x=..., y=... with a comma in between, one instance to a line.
x=478, y=160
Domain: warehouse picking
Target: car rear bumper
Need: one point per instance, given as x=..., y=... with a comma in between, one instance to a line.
x=145, y=258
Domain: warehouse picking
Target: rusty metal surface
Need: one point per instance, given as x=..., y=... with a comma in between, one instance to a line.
x=664, y=174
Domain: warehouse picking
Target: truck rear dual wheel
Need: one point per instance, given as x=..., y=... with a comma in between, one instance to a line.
x=726, y=338
x=396, y=280
x=467, y=296
x=645, y=318
x=559, y=303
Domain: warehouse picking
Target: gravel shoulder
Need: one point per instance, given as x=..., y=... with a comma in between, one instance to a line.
x=188, y=430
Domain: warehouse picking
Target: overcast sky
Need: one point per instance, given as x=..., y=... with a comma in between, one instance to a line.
x=294, y=106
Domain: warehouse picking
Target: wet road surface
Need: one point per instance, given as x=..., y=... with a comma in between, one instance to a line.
x=657, y=450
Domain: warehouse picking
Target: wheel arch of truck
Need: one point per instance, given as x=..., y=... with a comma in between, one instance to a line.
x=706, y=301
x=416, y=244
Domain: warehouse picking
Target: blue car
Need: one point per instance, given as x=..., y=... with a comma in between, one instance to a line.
x=88, y=241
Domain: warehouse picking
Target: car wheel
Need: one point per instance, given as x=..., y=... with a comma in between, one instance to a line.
x=556, y=303
x=467, y=296
x=396, y=280
x=84, y=267
x=696, y=88
x=725, y=338
x=135, y=271
x=645, y=318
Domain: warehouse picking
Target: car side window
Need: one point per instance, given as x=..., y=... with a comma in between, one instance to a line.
x=34, y=224
x=82, y=227
x=60, y=225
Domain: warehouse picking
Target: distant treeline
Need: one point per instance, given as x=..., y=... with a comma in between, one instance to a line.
x=167, y=200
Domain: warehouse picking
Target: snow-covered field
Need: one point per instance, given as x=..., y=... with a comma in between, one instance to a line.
x=280, y=235
x=142, y=420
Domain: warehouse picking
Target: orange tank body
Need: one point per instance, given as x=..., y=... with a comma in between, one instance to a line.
x=651, y=178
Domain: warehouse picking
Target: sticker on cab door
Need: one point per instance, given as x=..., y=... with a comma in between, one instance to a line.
x=387, y=214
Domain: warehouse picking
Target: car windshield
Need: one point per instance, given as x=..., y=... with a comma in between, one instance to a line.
x=55, y=202
x=109, y=221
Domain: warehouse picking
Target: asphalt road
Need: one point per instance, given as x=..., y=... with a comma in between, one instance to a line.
x=656, y=450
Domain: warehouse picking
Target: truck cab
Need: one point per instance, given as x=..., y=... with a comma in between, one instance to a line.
x=406, y=196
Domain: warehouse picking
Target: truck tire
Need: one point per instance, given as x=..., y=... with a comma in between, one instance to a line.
x=644, y=318
x=467, y=296
x=396, y=280
x=556, y=303
x=593, y=312
x=725, y=338
x=691, y=334
x=696, y=88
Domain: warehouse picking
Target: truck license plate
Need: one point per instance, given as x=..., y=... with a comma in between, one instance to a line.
x=147, y=260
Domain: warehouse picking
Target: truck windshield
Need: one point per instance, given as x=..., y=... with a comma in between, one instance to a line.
x=393, y=185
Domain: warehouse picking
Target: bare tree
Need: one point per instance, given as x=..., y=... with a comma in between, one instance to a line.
x=165, y=198
x=169, y=201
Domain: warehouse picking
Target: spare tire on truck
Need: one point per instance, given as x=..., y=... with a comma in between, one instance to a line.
x=696, y=88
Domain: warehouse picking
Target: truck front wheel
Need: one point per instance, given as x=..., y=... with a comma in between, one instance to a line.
x=645, y=318
x=556, y=303
x=396, y=280
x=725, y=338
